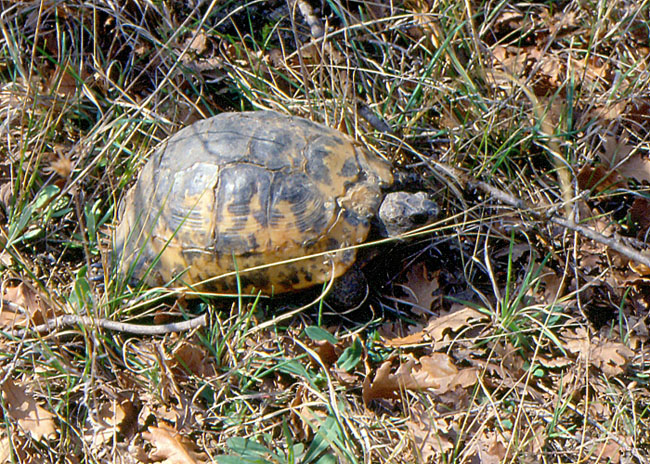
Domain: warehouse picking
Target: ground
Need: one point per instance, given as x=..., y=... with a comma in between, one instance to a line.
x=514, y=329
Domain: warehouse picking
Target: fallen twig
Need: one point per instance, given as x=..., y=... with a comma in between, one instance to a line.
x=611, y=242
x=60, y=322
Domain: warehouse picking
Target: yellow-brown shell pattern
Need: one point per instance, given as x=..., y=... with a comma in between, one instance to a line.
x=248, y=190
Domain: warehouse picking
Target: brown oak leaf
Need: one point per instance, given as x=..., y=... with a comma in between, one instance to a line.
x=170, y=447
x=609, y=356
x=23, y=407
x=441, y=328
x=436, y=372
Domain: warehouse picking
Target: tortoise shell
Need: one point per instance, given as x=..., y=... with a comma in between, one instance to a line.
x=243, y=191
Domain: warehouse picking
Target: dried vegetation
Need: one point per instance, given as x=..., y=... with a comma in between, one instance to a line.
x=502, y=334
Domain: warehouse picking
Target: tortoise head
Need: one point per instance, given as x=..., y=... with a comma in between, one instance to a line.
x=401, y=212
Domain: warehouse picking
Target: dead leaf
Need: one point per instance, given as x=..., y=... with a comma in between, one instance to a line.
x=495, y=453
x=25, y=297
x=610, y=357
x=113, y=417
x=550, y=284
x=639, y=112
x=431, y=435
x=536, y=437
x=389, y=332
x=561, y=21
x=599, y=178
x=609, y=451
x=344, y=377
x=440, y=329
x=639, y=327
x=22, y=407
x=490, y=448
x=610, y=111
x=6, y=195
x=640, y=213
x=553, y=363
x=384, y=385
x=326, y=351
x=198, y=43
x=600, y=410
x=515, y=252
x=509, y=63
x=11, y=317
x=440, y=369
x=594, y=69
x=170, y=447
x=302, y=416
x=421, y=287
x=67, y=81
x=444, y=326
x=621, y=155
x=189, y=356
x=436, y=372
x=551, y=71
x=5, y=449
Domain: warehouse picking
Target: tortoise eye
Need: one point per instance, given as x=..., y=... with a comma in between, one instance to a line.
x=420, y=218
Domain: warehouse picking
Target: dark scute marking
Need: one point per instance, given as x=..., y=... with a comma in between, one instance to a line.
x=223, y=285
x=333, y=244
x=256, y=279
x=354, y=220
x=335, y=140
x=261, y=217
x=233, y=242
x=293, y=188
x=238, y=185
x=271, y=147
x=350, y=168
x=252, y=239
x=316, y=167
x=305, y=202
x=206, y=143
x=222, y=139
x=290, y=277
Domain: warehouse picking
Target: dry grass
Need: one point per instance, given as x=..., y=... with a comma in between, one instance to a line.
x=549, y=361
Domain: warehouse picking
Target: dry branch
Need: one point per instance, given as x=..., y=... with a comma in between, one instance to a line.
x=614, y=243
x=69, y=320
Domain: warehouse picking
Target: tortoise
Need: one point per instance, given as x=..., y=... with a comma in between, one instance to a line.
x=242, y=191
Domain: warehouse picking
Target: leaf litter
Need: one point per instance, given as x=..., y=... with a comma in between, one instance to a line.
x=438, y=381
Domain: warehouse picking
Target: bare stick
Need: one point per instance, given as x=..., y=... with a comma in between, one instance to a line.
x=611, y=242
x=139, y=329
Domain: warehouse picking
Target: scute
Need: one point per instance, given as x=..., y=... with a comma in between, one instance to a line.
x=249, y=190
x=242, y=203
